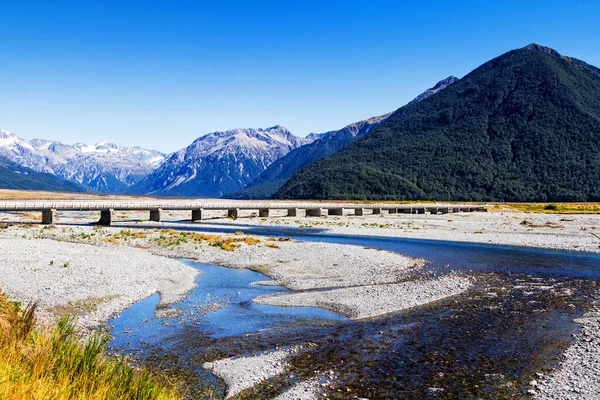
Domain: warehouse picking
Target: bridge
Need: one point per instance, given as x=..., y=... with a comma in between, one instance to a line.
x=264, y=208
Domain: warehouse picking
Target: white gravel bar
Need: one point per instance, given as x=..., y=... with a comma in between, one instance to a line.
x=310, y=265
x=579, y=374
x=241, y=373
x=370, y=301
x=98, y=281
x=310, y=389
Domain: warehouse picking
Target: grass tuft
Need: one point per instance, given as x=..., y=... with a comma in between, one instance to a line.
x=57, y=365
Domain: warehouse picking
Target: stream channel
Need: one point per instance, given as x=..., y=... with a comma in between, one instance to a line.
x=486, y=343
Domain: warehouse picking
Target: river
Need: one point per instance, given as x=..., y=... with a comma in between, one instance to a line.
x=488, y=342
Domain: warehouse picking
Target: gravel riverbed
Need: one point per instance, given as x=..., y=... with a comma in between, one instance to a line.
x=579, y=374
x=241, y=373
x=99, y=271
x=88, y=281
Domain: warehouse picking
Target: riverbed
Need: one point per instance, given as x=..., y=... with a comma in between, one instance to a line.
x=491, y=341
x=501, y=336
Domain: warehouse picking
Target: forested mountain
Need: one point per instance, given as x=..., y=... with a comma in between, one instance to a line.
x=15, y=176
x=524, y=126
x=278, y=173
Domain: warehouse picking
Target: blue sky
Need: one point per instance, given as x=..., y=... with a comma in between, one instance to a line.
x=161, y=73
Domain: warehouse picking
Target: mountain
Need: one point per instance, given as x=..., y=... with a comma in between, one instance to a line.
x=324, y=144
x=524, y=126
x=277, y=174
x=104, y=167
x=15, y=176
x=219, y=162
x=443, y=84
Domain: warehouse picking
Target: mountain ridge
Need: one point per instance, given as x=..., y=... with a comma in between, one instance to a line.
x=104, y=167
x=218, y=162
x=523, y=126
x=325, y=144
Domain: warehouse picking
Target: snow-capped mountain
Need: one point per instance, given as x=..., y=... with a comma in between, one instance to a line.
x=104, y=167
x=324, y=144
x=219, y=162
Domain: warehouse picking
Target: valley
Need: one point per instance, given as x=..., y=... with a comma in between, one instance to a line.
x=449, y=249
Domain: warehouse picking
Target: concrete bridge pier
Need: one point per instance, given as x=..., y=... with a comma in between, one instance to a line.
x=263, y=212
x=407, y=210
x=292, y=212
x=105, y=217
x=392, y=211
x=433, y=211
x=155, y=215
x=197, y=215
x=314, y=212
x=359, y=212
x=376, y=211
x=444, y=210
x=335, y=211
x=48, y=217
x=232, y=213
x=420, y=210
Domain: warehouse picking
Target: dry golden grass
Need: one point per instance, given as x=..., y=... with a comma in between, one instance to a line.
x=15, y=195
x=548, y=208
x=56, y=366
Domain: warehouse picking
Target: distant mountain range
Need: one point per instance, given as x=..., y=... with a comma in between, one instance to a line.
x=104, y=167
x=259, y=161
x=524, y=126
x=325, y=144
x=219, y=162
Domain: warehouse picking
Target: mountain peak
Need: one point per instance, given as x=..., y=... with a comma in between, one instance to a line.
x=543, y=49
x=220, y=162
x=444, y=83
x=521, y=127
x=6, y=135
x=275, y=127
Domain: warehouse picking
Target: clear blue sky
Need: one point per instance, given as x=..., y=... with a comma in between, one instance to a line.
x=161, y=73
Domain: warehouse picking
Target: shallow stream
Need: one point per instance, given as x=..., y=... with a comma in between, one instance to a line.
x=486, y=343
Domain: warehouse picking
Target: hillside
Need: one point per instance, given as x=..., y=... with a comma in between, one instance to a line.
x=219, y=163
x=325, y=144
x=14, y=176
x=524, y=126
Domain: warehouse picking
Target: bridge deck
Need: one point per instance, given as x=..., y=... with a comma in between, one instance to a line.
x=48, y=208
x=195, y=205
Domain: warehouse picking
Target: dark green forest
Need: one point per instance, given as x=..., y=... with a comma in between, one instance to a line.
x=522, y=127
